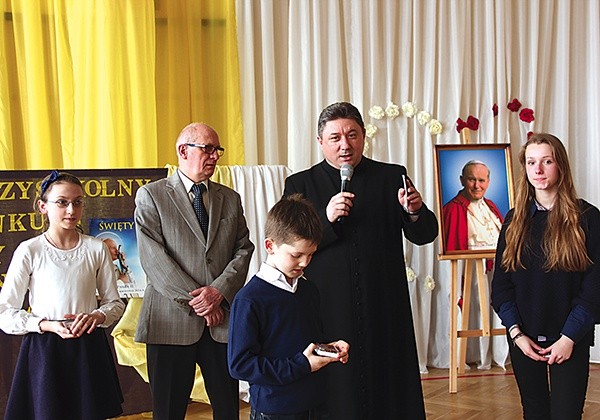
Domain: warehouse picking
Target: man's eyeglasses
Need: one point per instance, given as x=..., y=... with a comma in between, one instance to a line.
x=63, y=204
x=208, y=149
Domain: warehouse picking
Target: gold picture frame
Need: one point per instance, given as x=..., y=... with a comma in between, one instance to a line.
x=449, y=162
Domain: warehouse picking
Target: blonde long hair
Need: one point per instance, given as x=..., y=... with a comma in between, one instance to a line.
x=563, y=241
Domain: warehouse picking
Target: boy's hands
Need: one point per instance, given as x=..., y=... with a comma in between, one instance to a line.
x=317, y=362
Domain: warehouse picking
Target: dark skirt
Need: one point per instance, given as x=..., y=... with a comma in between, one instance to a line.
x=64, y=379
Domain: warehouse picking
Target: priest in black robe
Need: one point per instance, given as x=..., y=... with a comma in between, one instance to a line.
x=360, y=272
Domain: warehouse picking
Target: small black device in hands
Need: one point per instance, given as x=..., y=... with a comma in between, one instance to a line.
x=405, y=186
x=326, y=350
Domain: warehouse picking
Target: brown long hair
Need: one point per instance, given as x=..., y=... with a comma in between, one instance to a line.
x=563, y=241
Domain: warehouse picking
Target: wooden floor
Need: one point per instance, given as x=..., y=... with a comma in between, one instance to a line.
x=482, y=394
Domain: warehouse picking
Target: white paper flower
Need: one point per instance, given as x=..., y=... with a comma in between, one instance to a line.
x=429, y=283
x=370, y=130
x=366, y=148
x=376, y=112
x=435, y=127
x=423, y=117
x=409, y=109
x=392, y=110
x=410, y=274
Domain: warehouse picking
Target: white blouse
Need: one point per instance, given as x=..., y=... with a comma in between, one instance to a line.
x=59, y=282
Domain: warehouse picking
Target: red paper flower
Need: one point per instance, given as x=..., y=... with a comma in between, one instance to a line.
x=526, y=115
x=460, y=124
x=514, y=105
x=472, y=123
x=529, y=134
x=495, y=110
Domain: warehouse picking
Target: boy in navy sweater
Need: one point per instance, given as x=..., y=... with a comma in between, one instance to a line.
x=274, y=323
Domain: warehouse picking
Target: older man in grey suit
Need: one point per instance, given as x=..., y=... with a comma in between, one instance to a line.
x=192, y=277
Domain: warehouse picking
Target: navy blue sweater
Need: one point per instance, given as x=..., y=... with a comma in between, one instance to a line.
x=268, y=330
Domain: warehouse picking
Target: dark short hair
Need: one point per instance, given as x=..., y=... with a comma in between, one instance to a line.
x=339, y=110
x=293, y=218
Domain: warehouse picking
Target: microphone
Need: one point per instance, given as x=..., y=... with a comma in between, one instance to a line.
x=346, y=171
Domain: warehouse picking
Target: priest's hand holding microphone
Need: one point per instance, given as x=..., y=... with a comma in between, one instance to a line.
x=340, y=204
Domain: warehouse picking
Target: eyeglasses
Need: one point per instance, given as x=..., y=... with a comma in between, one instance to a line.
x=208, y=148
x=63, y=204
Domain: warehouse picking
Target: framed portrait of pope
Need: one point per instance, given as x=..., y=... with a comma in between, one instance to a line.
x=475, y=191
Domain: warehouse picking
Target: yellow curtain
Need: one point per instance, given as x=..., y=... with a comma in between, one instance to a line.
x=7, y=54
x=81, y=81
x=197, y=73
x=80, y=84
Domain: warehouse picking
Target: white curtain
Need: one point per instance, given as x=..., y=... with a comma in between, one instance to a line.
x=260, y=187
x=452, y=58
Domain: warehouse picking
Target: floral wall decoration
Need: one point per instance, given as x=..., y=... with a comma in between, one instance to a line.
x=424, y=118
x=410, y=274
x=525, y=114
x=408, y=110
x=428, y=284
x=472, y=123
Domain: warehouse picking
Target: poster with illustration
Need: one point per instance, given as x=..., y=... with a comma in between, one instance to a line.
x=119, y=236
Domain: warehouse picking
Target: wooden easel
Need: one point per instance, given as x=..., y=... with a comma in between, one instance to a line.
x=458, y=361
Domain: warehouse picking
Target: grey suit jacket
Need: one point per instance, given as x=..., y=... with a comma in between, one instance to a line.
x=177, y=258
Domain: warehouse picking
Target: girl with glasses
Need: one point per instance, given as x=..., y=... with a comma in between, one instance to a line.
x=65, y=368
